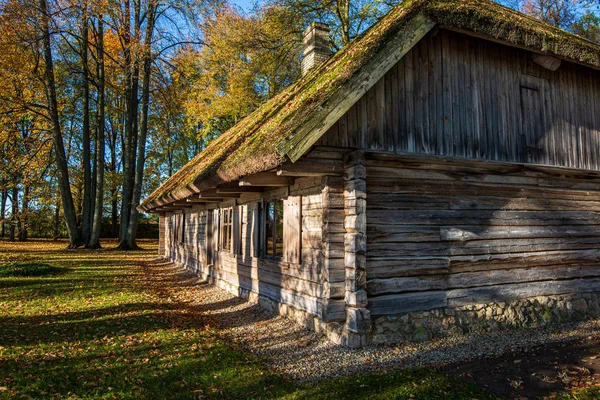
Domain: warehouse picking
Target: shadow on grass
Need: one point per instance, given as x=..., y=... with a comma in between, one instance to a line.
x=106, y=330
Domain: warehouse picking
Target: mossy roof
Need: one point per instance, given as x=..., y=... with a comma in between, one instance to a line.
x=254, y=144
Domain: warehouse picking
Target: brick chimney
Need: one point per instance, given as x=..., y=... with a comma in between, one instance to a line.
x=316, y=46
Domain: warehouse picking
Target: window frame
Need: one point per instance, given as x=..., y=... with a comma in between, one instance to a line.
x=264, y=250
x=226, y=229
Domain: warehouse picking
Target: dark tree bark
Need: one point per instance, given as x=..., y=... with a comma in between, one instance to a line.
x=23, y=219
x=14, y=217
x=3, y=207
x=99, y=201
x=86, y=215
x=59, y=146
x=130, y=238
x=343, y=13
x=131, y=116
x=57, y=219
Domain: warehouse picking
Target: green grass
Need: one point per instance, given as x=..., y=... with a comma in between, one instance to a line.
x=105, y=329
x=592, y=393
x=27, y=269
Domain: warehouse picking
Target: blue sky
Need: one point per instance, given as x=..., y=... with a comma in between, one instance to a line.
x=245, y=4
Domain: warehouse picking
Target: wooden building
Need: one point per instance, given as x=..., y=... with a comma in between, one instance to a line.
x=439, y=174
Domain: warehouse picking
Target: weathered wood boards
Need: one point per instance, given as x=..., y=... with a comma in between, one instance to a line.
x=444, y=234
x=456, y=95
x=310, y=238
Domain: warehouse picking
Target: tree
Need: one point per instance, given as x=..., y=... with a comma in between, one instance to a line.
x=347, y=19
x=588, y=26
x=75, y=238
x=246, y=61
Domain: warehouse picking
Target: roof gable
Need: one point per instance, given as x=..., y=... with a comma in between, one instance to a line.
x=287, y=125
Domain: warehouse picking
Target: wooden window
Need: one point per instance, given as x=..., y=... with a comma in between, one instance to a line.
x=273, y=242
x=226, y=229
x=178, y=228
x=281, y=236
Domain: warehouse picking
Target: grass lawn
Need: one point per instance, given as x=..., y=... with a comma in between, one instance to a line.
x=99, y=325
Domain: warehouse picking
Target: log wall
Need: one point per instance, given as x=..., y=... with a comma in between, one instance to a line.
x=314, y=285
x=445, y=234
x=456, y=95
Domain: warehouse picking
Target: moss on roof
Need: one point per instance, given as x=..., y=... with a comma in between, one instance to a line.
x=251, y=145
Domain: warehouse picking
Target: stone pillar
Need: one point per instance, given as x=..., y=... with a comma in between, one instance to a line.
x=358, y=317
x=316, y=46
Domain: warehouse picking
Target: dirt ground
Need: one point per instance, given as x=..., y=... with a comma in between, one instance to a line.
x=541, y=372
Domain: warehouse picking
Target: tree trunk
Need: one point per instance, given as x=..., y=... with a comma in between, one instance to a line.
x=99, y=201
x=14, y=217
x=112, y=167
x=3, y=207
x=59, y=146
x=130, y=239
x=57, y=218
x=86, y=215
x=129, y=148
x=23, y=219
x=343, y=12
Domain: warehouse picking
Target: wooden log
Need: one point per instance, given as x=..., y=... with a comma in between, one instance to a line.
x=238, y=189
x=424, y=301
x=306, y=167
x=501, y=246
x=266, y=179
x=376, y=287
x=468, y=233
x=525, y=260
x=482, y=217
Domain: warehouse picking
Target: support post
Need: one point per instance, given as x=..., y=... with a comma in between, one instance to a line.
x=358, y=317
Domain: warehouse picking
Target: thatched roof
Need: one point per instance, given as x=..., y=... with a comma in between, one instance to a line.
x=262, y=140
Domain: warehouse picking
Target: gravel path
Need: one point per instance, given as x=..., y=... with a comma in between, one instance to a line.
x=305, y=356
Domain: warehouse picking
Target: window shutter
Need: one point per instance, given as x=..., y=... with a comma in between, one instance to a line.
x=235, y=240
x=182, y=234
x=292, y=233
x=176, y=228
x=254, y=228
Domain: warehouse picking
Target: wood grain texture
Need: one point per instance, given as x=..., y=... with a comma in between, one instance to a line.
x=459, y=96
x=444, y=234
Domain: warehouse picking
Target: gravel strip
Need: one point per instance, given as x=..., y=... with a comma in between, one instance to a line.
x=305, y=356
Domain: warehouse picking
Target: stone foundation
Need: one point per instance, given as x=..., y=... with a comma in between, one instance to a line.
x=525, y=313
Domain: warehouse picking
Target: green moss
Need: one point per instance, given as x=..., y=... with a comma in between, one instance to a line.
x=251, y=146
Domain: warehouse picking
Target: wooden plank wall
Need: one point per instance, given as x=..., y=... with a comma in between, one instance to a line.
x=443, y=234
x=455, y=95
x=303, y=285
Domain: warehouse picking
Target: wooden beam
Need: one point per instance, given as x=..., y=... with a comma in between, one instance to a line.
x=239, y=189
x=208, y=199
x=171, y=207
x=214, y=194
x=199, y=201
x=266, y=179
x=307, y=167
